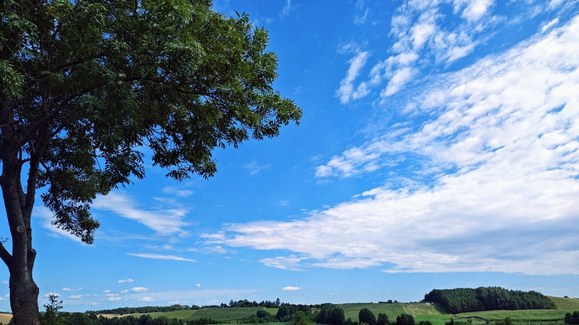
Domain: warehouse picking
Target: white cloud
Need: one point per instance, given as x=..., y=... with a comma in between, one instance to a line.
x=286, y=8
x=362, y=13
x=483, y=184
x=162, y=257
x=399, y=79
x=473, y=9
x=177, y=192
x=168, y=221
x=550, y=24
x=147, y=299
x=347, y=90
x=283, y=262
x=113, y=297
x=255, y=168
x=123, y=281
x=139, y=289
x=291, y=288
x=71, y=289
x=420, y=31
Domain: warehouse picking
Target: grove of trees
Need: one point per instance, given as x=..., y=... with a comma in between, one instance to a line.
x=86, y=85
x=487, y=298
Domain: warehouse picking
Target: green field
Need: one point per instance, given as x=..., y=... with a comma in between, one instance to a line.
x=392, y=310
x=537, y=316
x=218, y=314
x=420, y=311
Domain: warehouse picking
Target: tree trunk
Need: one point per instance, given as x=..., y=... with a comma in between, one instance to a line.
x=23, y=290
x=24, y=299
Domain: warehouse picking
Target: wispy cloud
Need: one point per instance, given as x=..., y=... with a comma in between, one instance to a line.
x=285, y=11
x=71, y=289
x=181, y=193
x=482, y=184
x=255, y=168
x=362, y=13
x=433, y=37
x=347, y=92
x=291, y=288
x=123, y=281
x=283, y=262
x=162, y=257
x=166, y=221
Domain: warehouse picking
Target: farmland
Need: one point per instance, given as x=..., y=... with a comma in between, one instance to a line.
x=420, y=311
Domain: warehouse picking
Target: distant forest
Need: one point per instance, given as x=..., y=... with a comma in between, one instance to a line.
x=487, y=298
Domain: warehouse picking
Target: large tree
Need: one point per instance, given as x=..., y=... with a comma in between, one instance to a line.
x=88, y=86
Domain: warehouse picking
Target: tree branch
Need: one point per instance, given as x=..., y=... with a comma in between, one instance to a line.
x=5, y=255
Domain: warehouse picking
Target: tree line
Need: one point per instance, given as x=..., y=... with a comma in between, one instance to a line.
x=464, y=300
x=328, y=314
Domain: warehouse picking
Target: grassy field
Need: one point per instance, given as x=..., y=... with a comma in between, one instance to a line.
x=392, y=310
x=218, y=314
x=538, y=316
x=420, y=311
x=5, y=318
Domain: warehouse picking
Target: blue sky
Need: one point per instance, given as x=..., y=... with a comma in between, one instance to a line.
x=439, y=148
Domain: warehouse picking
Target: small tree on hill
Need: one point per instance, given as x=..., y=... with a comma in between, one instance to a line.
x=382, y=319
x=366, y=316
x=50, y=316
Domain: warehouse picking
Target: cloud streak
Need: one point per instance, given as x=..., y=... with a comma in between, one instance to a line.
x=165, y=222
x=481, y=185
x=166, y=257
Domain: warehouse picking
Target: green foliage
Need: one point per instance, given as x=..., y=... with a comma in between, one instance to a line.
x=300, y=318
x=382, y=319
x=366, y=316
x=352, y=310
x=86, y=84
x=285, y=312
x=260, y=317
x=51, y=314
x=144, y=309
x=572, y=318
x=491, y=298
x=330, y=314
x=405, y=319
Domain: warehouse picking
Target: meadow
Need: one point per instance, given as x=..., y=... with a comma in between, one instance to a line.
x=420, y=311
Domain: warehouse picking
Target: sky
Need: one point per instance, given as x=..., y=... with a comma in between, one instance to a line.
x=439, y=148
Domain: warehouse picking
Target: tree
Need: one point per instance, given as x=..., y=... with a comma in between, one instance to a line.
x=300, y=318
x=50, y=316
x=86, y=84
x=330, y=314
x=382, y=319
x=405, y=319
x=366, y=316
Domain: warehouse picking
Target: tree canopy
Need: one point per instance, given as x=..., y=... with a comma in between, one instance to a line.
x=487, y=298
x=90, y=89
